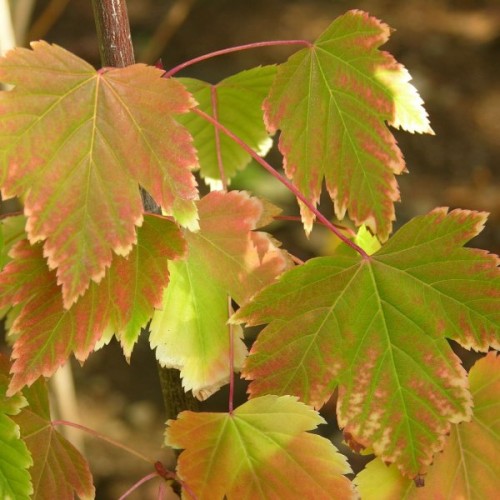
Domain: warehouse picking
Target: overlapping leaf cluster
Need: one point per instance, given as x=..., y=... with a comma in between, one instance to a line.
x=75, y=146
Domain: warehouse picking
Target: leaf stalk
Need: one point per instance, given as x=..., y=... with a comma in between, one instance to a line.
x=321, y=218
x=102, y=437
x=229, y=50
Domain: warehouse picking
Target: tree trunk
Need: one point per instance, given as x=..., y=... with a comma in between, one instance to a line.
x=116, y=50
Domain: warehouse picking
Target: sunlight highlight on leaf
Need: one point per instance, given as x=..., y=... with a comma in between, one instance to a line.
x=262, y=450
x=75, y=145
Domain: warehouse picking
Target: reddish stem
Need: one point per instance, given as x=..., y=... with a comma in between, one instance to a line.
x=229, y=50
x=285, y=182
x=103, y=438
x=298, y=219
x=231, y=361
x=213, y=96
x=295, y=259
x=141, y=481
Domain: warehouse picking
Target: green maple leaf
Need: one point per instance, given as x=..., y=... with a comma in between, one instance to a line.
x=15, y=459
x=331, y=102
x=47, y=333
x=75, y=144
x=236, y=102
x=376, y=328
x=226, y=258
x=468, y=467
x=262, y=450
x=59, y=470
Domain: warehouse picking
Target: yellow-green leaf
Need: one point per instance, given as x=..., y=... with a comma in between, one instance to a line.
x=226, y=258
x=262, y=450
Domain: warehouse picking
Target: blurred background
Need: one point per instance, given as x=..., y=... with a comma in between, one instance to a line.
x=452, y=50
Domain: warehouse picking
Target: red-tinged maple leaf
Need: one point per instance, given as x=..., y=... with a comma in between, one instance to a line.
x=59, y=470
x=331, y=102
x=469, y=465
x=226, y=258
x=262, y=450
x=377, y=327
x=47, y=333
x=77, y=143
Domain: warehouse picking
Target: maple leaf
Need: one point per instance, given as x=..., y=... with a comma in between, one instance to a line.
x=468, y=466
x=331, y=102
x=236, y=102
x=47, y=333
x=376, y=328
x=225, y=258
x=15, y=459
x=77, y=143
x=262, y=450
x=59, y=470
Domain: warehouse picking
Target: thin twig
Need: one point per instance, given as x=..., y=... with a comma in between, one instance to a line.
x=139, y=483
x=220, y=163
x=115, y=46
x=295, y=218
x=231, y=360
x=102, y=437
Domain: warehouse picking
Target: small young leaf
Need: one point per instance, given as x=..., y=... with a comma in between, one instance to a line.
x=468, y=466
x=48, y=333
x=376, y=328
x=76, y=144
x=367, y=241
x=226, y=258
x=59, y=470
x=15, y=459
x=262, y=450
x=239, y=108
x=332, y=102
